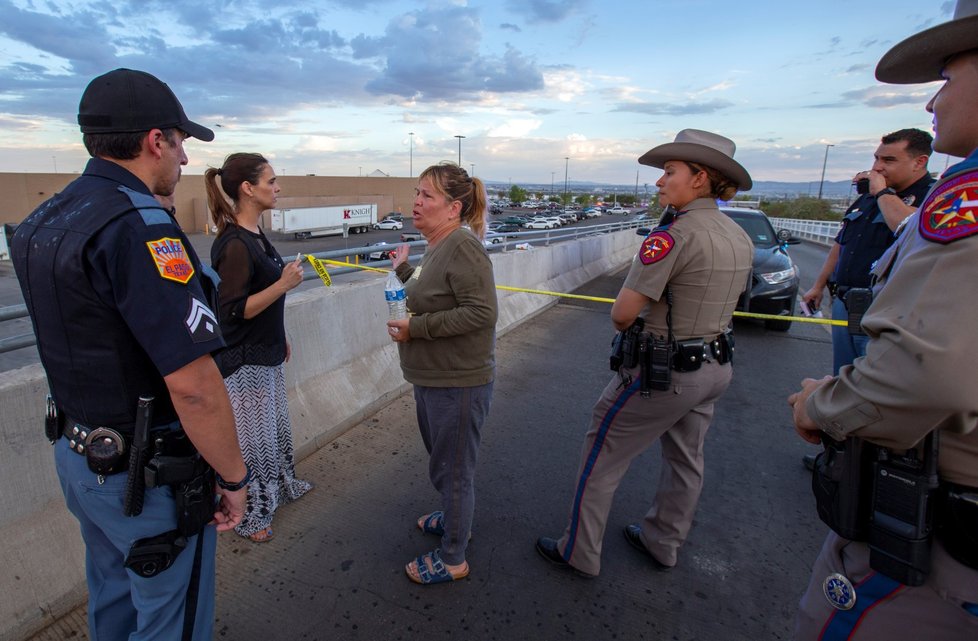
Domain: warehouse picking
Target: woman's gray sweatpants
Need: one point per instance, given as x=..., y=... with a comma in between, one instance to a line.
x=450, y=420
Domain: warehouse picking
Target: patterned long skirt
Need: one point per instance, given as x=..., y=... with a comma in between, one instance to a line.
x=261, y=414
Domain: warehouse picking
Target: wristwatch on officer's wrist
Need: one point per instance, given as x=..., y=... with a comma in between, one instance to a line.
x=885, y=191
x=234, y=487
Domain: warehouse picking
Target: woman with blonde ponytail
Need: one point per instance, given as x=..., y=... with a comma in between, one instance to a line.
x=254, y=280
x=447, y=350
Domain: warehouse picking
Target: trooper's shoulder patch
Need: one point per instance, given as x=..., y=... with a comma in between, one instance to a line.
x=951, y=210
x=171, y=259
x=655, y=247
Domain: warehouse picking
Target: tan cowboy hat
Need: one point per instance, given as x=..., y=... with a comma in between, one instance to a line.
x=703, y=147
x=922, y=56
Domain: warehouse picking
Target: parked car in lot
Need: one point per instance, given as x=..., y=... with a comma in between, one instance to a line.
x=389, y=223
x=377, y=253
x=568, y=218
x=618, y=209
x=508, y=228
x=774, y=278
x=493, y=238
x=592, y=212
x=408, y=236
x=540, y=223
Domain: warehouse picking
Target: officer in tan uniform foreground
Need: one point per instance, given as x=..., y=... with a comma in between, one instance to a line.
x=915, y=573
x=673, y=314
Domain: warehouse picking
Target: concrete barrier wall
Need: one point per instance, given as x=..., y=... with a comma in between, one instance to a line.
x=343, y=368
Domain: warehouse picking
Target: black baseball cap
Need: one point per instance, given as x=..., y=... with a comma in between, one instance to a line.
x=125, y=100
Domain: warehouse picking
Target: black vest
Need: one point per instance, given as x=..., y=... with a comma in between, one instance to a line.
x=95, y=367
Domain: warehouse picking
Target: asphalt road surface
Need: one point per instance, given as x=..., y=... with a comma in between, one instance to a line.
x=335, y=568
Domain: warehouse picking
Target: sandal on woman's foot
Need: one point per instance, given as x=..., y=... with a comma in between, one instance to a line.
x=434, y=523
x=429, y=569
x=262, y=536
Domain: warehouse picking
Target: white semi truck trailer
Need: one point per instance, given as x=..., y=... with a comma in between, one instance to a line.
x=333, y=220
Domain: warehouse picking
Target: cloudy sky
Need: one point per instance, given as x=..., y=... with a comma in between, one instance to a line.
x=335, y=87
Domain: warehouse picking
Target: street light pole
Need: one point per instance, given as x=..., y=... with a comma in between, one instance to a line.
x=566, y=163
x=824, y=162
x=472, y=165
x=552, y=184
x=460, y=150
x=411, y=170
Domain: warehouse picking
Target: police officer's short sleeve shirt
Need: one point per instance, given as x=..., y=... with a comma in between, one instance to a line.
x=143, y=265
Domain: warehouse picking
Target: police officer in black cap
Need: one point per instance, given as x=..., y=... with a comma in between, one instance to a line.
x=123, y=313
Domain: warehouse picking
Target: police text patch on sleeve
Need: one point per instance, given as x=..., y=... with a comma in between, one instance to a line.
x=171, y=259
x=655, y=247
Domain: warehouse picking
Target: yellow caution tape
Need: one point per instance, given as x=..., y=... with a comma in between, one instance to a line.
x=340, y=263
x=543, y=292
x=317, y=264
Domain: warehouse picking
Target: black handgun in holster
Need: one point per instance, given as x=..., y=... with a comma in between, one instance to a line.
x=842, y=482
x=194, y=498
x=905, y=492
x=625, y=346
x=857, y=301
x=177, y=463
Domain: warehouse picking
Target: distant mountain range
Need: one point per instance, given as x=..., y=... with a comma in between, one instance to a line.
x=762, y=188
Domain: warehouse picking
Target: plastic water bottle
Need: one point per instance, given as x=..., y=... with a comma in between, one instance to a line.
x=396, y=297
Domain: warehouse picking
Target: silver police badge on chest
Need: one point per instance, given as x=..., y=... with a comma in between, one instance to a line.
x=839, y=591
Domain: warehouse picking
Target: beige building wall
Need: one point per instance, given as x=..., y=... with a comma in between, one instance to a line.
x=20, y=194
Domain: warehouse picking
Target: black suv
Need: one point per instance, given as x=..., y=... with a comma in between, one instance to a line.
x=774, y=282
x=774, y=278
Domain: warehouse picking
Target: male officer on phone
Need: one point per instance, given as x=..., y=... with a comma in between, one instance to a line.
x=917, y=378
x=890, y=191
x=894, y=188
x=121, y=308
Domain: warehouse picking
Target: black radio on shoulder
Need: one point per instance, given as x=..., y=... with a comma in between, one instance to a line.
x=905, y=490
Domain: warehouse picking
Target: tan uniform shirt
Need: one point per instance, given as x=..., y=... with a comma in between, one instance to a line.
x=705, y=258
x=921, y=365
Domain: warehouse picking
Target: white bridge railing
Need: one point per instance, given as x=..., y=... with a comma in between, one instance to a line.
x=819, y=231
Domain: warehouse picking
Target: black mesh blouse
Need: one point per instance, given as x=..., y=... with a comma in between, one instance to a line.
x=247, y=263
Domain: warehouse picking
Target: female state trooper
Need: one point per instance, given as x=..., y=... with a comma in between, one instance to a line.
x=683, y=287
